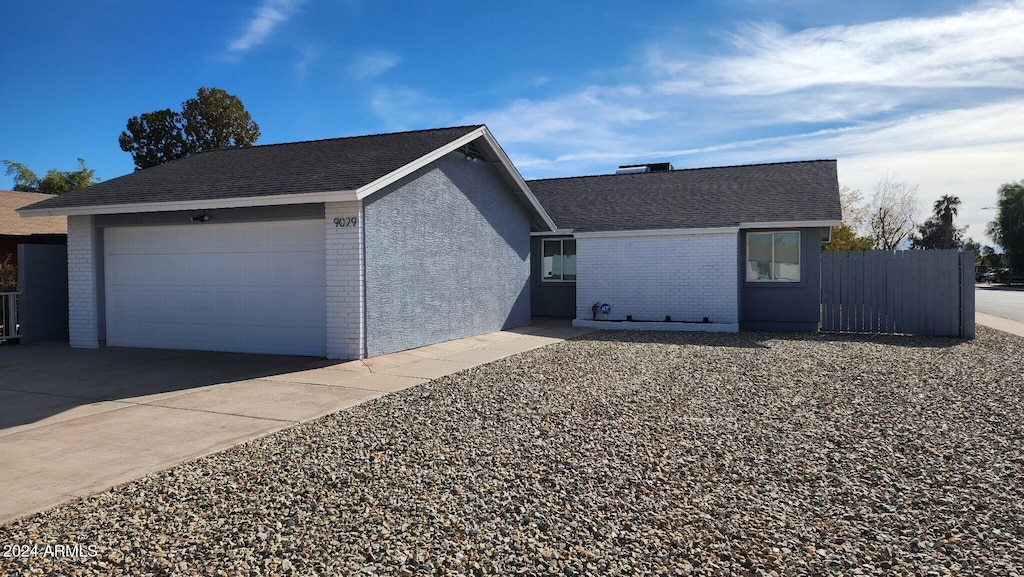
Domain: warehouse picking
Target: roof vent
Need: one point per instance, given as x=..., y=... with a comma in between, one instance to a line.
x=642, y=168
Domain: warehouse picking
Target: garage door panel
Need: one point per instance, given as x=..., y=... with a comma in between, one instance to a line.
x=254, y=287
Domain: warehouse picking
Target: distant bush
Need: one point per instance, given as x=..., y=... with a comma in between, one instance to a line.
x=8, y=275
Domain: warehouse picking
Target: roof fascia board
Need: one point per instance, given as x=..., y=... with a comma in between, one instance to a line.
x=518, y=178
x=396, y=175
x=657, y=232
x=237, y=202
x=556, y=232
x=791, y=224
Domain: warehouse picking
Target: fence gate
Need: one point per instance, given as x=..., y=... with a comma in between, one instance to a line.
x=922, y=292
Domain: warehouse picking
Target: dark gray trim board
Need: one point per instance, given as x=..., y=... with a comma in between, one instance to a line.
x=217, y=215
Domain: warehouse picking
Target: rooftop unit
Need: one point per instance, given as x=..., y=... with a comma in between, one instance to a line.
x=642, y=168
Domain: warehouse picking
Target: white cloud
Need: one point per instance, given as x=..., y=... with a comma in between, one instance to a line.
x=372, y=65
x=405, y=108
x=977, y=48
x=937, y=101
x=268, y=16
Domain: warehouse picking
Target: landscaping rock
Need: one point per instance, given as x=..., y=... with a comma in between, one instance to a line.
x=617, y=453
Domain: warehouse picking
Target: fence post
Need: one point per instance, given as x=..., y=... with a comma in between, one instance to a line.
x=967, y=295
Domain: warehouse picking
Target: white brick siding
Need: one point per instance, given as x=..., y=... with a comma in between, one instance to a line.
x=345, y=301
x=687, y=277
x=83, y=328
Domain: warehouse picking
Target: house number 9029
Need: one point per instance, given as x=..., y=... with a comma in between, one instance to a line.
x=343, y=221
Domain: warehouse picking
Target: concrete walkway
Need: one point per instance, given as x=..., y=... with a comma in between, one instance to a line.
x=1006, y=325
x=75, y=422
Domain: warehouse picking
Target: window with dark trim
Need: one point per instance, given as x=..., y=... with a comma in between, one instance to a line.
x=773, y=256
x=558, y=262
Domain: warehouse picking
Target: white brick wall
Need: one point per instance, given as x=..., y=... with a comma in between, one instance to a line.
x=345, y=301
x=688, y=277
x=82, y=304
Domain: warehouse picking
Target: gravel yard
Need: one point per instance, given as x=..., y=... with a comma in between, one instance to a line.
x=616, y=453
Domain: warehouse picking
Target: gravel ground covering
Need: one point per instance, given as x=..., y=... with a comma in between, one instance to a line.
x=616, y=453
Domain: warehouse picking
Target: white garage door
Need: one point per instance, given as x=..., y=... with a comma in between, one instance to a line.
x=252, y=287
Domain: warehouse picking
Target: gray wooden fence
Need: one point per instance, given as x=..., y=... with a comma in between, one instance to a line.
x=922, y=292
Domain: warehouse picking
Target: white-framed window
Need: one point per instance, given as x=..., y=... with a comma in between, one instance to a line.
x=559, y=259
x=773, y=256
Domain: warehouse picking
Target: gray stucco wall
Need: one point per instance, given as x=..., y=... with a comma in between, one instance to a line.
x=43, y=282
x=783, y=306
x=447, y=256
x=549, y=299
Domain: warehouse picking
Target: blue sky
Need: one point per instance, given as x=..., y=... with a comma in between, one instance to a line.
x=931, y=92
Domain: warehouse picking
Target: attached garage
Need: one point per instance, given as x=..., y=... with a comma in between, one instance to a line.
x=241, y=287
x=341, y=248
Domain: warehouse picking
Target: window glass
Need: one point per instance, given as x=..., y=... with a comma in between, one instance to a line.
x=569, y=259
x=558, y=260
x=787, y=256
x=551, y=267
x=773, y=256
x=759, y=256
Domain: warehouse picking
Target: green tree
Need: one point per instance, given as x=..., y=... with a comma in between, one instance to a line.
x=213, y=119
x=844, y=238
x=938, y=231
x=945, y=209
x=847, y=235
x=1008, y=227
x=974, y=247
x=54, y=181
x=990, y=258
x=154, y=137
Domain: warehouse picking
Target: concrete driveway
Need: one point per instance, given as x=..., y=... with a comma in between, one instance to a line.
x=74, y=421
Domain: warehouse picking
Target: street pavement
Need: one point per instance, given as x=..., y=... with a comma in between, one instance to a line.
x=1000, y=301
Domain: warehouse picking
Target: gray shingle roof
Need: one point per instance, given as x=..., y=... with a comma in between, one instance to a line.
x=693, y=198
x=291, y=168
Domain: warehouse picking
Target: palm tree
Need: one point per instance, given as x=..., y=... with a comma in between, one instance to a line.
x=945, y=209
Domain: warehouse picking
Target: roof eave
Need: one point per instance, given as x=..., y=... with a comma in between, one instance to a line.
x=656, y=232
x=206, y=204
x=792, y=224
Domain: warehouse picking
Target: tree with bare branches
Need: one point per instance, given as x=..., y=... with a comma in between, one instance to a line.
x=893, y=212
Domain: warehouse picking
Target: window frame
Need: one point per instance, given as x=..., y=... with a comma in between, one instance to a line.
x=561, y=254
x=772, y=263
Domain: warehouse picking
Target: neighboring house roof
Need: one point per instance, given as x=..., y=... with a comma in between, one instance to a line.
x=757, y=195
x=330, y=170
x=11, y=223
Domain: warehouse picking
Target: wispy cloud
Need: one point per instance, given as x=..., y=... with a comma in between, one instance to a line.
x=939, y=101
x=309, y=54
x=372, y=64
x=405, y=108
x=841, y=84
x=268, y=16
x=851, y=71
